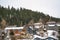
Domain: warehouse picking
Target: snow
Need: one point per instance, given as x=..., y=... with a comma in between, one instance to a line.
x=7, y=28
x=49, y=35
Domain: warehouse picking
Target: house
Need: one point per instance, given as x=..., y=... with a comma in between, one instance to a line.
x=52, y=35
x=51, y=25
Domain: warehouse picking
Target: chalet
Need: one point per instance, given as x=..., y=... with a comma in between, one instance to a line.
x=51, y=25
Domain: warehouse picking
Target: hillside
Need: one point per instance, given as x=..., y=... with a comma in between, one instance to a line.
x=23, y=16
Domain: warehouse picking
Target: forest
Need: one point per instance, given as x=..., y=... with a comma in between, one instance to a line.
x=17, y=16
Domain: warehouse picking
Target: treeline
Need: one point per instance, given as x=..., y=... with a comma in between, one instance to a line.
x=17, y=16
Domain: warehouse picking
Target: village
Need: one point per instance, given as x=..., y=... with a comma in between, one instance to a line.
x=29, y=19
x=31, y=31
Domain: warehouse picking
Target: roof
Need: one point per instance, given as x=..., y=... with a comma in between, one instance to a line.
x=51, y=25
x=58, y=24
x=7, y=28
x=49, y=35
x=36, y=36
x=37, y=23
x=51, y=22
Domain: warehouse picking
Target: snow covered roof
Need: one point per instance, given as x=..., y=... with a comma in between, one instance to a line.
x=58, y=24
x=36, y=36
x=51, y=31
x=51, y=25
x=7, y=28
x=51, y=22
x=49, y=35
x=37, y=23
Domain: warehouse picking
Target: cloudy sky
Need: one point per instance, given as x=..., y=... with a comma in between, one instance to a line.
x=51, y=7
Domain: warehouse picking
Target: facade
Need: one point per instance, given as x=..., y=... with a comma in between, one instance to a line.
x=51, y=25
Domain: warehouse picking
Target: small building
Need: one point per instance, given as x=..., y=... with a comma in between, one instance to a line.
x=51, y=25
x=52, y=35
x=38, y=25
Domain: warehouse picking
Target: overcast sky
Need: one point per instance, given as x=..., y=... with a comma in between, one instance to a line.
x=51, y=7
